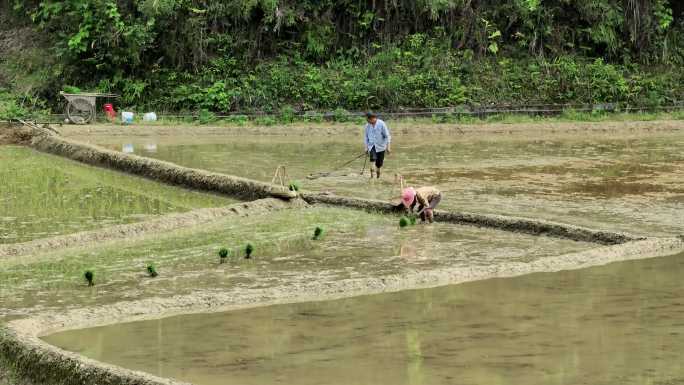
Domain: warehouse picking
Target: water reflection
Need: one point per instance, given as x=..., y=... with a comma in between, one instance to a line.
x=151, y=147
x=616, y=324
x=594, y=181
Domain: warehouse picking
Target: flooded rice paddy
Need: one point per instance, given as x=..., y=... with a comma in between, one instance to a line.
x=355, y=245
x=43, y=195
x=616, y=324
x=631, y=182
x=619, y=323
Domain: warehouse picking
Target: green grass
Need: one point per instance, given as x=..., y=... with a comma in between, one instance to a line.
x=43, y=195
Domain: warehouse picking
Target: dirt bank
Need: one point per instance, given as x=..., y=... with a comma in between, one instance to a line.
x=399, y=127
x=47, y=141
x=9, y=134
x=162, y=224
x=499, y=222
x=32, y=360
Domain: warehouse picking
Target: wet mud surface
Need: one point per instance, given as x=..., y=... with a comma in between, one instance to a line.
x=356, y=245
x=622, y=178
x=619, y=323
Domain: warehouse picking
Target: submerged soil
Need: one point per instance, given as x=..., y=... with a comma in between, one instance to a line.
x=622, y=176
x=356, y=246
x=619, y=323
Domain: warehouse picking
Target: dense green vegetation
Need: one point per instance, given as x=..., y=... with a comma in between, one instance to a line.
x=248, y=55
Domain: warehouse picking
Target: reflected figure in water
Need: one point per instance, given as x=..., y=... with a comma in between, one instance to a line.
x=408, y=251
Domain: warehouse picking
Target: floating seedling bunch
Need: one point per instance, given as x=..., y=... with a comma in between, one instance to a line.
x=223, y=255
x=249, y=249
x=89, y=276
x=405, y=221
x=294, y=186
x=318, y=233
x=152, y=271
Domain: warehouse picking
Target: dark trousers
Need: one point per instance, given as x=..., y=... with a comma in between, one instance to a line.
x=433, y=204
x=377, y=157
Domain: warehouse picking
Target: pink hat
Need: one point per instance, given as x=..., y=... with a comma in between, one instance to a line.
x=407, y=196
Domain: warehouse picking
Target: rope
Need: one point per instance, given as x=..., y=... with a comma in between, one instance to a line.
x=323, y=174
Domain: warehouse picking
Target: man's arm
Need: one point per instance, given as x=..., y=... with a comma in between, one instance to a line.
x=389, y=138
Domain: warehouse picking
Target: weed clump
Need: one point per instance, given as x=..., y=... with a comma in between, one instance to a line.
x=205, y=117
x=403, y=222
x=223, y=255
x=152, y=271
x=249, y=249
x=318, y=233
x=89, y=277
x=412, y=220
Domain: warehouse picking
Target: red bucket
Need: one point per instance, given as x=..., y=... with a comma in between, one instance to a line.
x=108, y=109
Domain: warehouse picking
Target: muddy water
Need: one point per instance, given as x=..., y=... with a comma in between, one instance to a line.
x=631, y=182
x=615, y=324
x=43, y=195
x=284, y=255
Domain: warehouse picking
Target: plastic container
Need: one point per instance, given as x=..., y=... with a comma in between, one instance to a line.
x=128, y=148
x=127, y=117
x=150, y=117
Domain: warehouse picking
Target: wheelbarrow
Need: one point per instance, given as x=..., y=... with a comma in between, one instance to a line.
x=81, y=107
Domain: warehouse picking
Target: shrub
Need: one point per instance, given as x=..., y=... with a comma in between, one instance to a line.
x=288, y=114
x=10, y=107
x=340, y=115
x=206, y=117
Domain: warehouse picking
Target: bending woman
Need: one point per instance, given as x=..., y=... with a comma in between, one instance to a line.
x=426, y=198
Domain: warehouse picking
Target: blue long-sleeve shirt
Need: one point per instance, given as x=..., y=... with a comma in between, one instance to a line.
x=377, y=136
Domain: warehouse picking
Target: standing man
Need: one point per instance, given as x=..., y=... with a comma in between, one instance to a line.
x=377, y=139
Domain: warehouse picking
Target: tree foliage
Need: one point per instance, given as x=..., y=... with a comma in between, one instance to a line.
x=260, y=54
